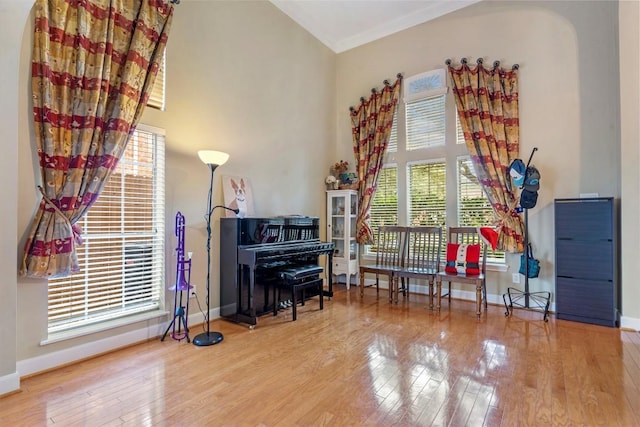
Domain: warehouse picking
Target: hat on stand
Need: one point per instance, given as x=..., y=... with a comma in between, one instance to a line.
x=532, y=179
x=517, y=171
x=489, y=235
x=528, y=199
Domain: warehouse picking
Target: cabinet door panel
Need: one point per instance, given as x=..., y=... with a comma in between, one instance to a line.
x=585, y=298
x=589, y=220
x=589, y=260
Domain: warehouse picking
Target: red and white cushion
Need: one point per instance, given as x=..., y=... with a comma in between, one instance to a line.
x=463, y=258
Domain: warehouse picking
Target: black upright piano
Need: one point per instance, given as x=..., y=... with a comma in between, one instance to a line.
x=252, y=253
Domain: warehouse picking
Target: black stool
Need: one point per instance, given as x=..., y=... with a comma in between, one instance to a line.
x=298, y=278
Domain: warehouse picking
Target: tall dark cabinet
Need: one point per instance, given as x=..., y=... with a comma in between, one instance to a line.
x=587, y=266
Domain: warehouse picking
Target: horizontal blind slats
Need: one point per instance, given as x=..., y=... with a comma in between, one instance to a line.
x=427, y=194
x=385, y=201
x=156, y=97
x=393, y=139
x=425, y=122
x=384, y=206
x=459, y=132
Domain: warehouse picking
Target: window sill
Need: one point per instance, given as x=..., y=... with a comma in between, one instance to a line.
x=103, y=326
x=500, y=268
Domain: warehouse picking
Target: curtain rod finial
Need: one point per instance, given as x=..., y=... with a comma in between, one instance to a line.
x=399, y=75
x=515, y=67
x=448, y=61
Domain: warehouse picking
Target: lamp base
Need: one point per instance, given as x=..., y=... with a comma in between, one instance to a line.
x=207, y=338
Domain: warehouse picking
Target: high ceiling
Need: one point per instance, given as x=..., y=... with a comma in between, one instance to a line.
x=344, y=24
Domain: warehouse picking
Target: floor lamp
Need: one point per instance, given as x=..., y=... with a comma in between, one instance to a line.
x=213, y=159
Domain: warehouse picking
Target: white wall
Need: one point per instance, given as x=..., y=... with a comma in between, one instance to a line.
x=13, y=15
x=630, y=138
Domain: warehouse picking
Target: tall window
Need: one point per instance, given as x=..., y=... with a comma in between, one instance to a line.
x=122, y=257
x=435, y=183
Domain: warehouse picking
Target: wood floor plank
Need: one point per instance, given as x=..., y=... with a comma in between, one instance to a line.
x=493, y=417
x=558, y=398
x=481, y=406
x=360, y=361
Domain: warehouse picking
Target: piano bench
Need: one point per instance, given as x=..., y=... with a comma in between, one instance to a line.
x=295, y=279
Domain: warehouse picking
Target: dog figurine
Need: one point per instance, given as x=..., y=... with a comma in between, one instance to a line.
x=240, y=200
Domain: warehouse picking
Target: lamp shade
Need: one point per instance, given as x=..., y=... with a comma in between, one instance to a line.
x=212, y=157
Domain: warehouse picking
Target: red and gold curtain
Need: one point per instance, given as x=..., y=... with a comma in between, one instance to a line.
x=94, y=64
x=487, y=103
x=371, y=128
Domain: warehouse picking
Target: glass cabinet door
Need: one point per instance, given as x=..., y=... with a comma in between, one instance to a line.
x=338, y=225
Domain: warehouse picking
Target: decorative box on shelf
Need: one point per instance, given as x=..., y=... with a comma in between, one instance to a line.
x=352, y=186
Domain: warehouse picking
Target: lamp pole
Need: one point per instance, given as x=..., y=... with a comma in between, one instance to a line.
x=213, y=159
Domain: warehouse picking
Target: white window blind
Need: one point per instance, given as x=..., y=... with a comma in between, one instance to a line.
x=384, y=206
x=427, y=194
x=385, y=201
x=393, y=139
x=122, y=257
x=459, y=132
x=156, y=97
x=425, y=122
x=474, y=209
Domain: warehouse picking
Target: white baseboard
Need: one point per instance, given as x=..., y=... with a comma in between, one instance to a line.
x=630, y=323
x=83, y=351
x=9, y=383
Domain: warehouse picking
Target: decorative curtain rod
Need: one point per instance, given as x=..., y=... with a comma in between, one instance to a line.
x=479, y=61
x=386, y=82
x=174, y=1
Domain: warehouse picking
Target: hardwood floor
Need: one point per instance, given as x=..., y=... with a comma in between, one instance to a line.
x=359, y=362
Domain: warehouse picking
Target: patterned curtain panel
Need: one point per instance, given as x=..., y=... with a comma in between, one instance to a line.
x=371, y=128
x=487, y=103
x=94, y=64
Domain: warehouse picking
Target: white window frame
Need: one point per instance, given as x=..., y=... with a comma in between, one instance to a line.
x=146, y=274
